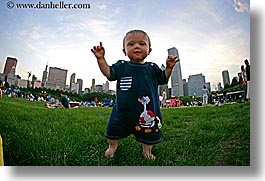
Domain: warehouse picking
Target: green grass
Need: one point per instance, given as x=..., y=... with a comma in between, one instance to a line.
x=196, y=136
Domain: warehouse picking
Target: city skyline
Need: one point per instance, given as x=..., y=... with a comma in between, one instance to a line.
x=211, y=36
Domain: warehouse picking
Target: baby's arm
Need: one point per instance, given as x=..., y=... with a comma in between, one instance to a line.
x=99, y=53
x=170, y=63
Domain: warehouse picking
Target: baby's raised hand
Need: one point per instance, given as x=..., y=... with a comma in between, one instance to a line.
x=98, y=51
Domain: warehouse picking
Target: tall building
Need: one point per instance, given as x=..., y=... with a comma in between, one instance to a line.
x=33, y=81
x=2, y=77
x=106, y=87
x=72, y=82
x=93, y=88
x=226, y=79
x=75, y=88
x=22, y=83
x=87, y=90
x=195, y=84
x=185, y=87
x=44, y=76
x=56, y=78
x=99, y=88
x=80, y=85
x=165, y=86
x=176, y=77
x=10, y=63
x=11, y=77
x=37, y=84
x=219, y=86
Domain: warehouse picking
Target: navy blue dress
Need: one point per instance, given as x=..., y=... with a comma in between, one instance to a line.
x=137, y=108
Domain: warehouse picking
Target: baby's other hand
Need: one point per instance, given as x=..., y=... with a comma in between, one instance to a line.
x=171, y=61
x=98, y=51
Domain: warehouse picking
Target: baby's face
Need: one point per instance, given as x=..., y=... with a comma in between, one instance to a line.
x=137, y=47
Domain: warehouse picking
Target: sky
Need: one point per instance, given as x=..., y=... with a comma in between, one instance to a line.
x=210, y=35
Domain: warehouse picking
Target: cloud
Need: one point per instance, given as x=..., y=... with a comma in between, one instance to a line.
x=117, y=11
x=102, y=6
x=210, y=36
x=240, y=6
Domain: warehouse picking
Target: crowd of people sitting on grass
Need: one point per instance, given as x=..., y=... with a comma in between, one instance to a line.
x=62, y=101
x=95, y=103
x=50, y=101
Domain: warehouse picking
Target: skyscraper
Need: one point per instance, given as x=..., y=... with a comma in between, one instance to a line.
x=10, y=63
x=72, y=82
x=33, y=80
x=80, y=85
x=176, y=77
x=195, y=84
x=185, y=87
x=56, y=78
x=11, y=77
x=106, y=86
x=93, y=85
x=44, y=76
x=226, y=79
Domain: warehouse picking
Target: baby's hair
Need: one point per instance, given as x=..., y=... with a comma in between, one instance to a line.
x=135, y=32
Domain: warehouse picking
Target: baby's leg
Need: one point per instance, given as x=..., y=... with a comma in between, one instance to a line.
x=147, y=152
x=113, y=144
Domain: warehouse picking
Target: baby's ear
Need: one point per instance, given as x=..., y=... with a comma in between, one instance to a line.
x=150, y=49
x=124, y=51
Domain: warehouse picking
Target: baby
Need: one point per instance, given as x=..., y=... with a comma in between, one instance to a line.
x=137, y=108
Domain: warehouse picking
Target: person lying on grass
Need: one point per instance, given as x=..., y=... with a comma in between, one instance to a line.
x=137, y=108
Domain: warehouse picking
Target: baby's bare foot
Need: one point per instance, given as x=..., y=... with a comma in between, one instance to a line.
x=149, y=156
x=110, y=152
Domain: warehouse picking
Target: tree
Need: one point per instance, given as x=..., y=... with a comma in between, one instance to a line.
x=186, y=99
x=100, y=95
x=234, y=82
x=226, y=86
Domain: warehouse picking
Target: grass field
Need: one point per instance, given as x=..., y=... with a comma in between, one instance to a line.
x=196, y=136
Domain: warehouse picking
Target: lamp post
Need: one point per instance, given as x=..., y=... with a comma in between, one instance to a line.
x=29, y=74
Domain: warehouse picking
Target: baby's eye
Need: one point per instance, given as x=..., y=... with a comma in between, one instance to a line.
x=130, y=44
x=142, y=43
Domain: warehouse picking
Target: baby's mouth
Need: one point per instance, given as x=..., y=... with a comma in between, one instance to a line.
x=137, y=52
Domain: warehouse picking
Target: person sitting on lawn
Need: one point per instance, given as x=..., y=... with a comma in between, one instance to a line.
x=53, y=103
x=64, y=100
